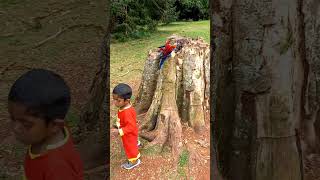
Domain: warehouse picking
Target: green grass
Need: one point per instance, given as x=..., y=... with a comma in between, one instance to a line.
x=152, y=150
x=184, y=158
x=182, y=172
x=127, y=58
x=189, y=29
x=183, y=161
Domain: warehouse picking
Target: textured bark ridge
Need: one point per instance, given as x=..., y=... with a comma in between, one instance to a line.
x=266, y=61
x=94, y=120
x=179, y=92
x=310, y=38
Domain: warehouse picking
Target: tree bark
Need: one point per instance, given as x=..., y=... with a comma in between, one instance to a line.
x=260, y=71
x=93, y=134
x=148, y=84
x=167, y=128
x=92, y=129
x=309, y=11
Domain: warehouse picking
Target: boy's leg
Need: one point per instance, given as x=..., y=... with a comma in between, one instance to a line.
x=132, y=152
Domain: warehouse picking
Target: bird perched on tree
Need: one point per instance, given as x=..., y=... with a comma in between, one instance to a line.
x=165, y=52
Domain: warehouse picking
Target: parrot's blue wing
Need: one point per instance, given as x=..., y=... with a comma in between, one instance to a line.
x=163, y=59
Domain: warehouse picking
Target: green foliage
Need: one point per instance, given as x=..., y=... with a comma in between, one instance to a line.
x=132, y=19
x=193, y=9
x=184, y=158
x=137, y=18
x=183, y=161
x=169, y=11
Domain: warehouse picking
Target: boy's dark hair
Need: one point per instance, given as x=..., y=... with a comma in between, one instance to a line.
x=44, y=93
x=123, y=90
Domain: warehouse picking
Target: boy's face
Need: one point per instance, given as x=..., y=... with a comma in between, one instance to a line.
x=28, y=129
x=118, y=101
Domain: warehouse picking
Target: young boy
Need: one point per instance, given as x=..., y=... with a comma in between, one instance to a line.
x=127, y=124
x=38, y=103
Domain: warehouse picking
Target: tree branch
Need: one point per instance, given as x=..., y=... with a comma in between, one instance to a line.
x=62, y=30
x=3, y=71
x=129, y=72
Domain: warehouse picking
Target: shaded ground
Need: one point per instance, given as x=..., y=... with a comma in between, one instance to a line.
x=68, y=35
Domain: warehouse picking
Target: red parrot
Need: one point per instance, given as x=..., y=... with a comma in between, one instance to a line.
x=165, y=50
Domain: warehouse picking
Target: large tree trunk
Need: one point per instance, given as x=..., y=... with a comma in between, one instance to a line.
x=311, y=118
x=262, y=83
x=180, y=92
x=93, y=128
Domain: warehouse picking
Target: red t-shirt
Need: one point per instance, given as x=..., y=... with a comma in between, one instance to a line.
x=58, y=163
x=128, y=124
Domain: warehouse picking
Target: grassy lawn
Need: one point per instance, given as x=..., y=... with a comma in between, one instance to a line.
x=128, y=58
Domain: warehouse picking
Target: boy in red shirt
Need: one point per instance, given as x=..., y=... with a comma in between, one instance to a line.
x=38, y=103
x=127, y=124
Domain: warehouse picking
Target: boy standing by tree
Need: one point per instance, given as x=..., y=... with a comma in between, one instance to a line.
x=38, y=103
x=127, y=124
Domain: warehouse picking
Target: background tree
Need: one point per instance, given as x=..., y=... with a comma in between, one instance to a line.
x=136, y=18
x=192, y=9
x=265, y=120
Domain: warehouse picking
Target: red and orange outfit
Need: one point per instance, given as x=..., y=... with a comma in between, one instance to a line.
x=128, y=131
x=60, y=161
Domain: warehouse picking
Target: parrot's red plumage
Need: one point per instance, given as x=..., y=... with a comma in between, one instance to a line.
x=166, y=50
